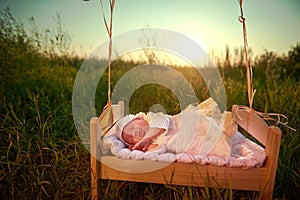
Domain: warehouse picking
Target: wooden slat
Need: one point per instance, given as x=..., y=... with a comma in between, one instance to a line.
x=121, y=104
x=117, y=112
x=252, y=123
x=272, y=150
x=190, y=174
x=93, y=157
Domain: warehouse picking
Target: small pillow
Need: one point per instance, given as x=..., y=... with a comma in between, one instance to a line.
x=167, y=157
x=137, y=155
x=123, y=153
x=149, y=155
x=201, y=160
x=116, y=146
x=218, y=161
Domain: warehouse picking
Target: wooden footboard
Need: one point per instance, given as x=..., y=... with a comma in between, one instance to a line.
x=255, y=179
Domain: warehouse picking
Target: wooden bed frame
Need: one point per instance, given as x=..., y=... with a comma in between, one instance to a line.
x=254, y=179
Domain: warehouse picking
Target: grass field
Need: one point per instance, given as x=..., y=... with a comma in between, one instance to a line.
x=42, y=156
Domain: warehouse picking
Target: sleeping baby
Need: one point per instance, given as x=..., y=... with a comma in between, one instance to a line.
x=197, y=130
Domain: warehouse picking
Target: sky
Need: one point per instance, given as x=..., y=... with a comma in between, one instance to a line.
x=272, y=25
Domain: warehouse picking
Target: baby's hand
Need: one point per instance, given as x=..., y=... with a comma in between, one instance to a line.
x=142, y=145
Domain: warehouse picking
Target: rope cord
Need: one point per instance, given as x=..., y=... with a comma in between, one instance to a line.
x=266, y=116
x=251, y=92
x=109, y=32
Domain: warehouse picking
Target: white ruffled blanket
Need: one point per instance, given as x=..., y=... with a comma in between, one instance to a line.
x=244, y=153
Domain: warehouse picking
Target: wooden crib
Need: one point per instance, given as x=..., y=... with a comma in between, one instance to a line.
x=253, y=179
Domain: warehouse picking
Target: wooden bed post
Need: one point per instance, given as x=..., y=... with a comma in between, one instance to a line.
x=272, y=150
x=94, y=154
x=95, y=132
x=269, y=136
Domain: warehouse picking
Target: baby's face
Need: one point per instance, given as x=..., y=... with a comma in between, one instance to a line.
x=135, y=130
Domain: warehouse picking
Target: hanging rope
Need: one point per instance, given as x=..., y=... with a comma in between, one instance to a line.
x=251, y=92
x=106, y=118
x=109, y=32
x=275, y=117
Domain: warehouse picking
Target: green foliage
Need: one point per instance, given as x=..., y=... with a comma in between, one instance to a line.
x=294, y=61
x=43, y=157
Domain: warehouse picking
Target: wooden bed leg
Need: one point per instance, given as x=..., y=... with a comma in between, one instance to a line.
x=94, y=162
x=272, y=149
x=118, y=112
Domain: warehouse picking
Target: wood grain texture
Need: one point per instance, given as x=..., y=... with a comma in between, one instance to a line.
x=188, y=174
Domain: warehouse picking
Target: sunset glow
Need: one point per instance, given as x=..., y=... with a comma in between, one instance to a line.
x=272, y=25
